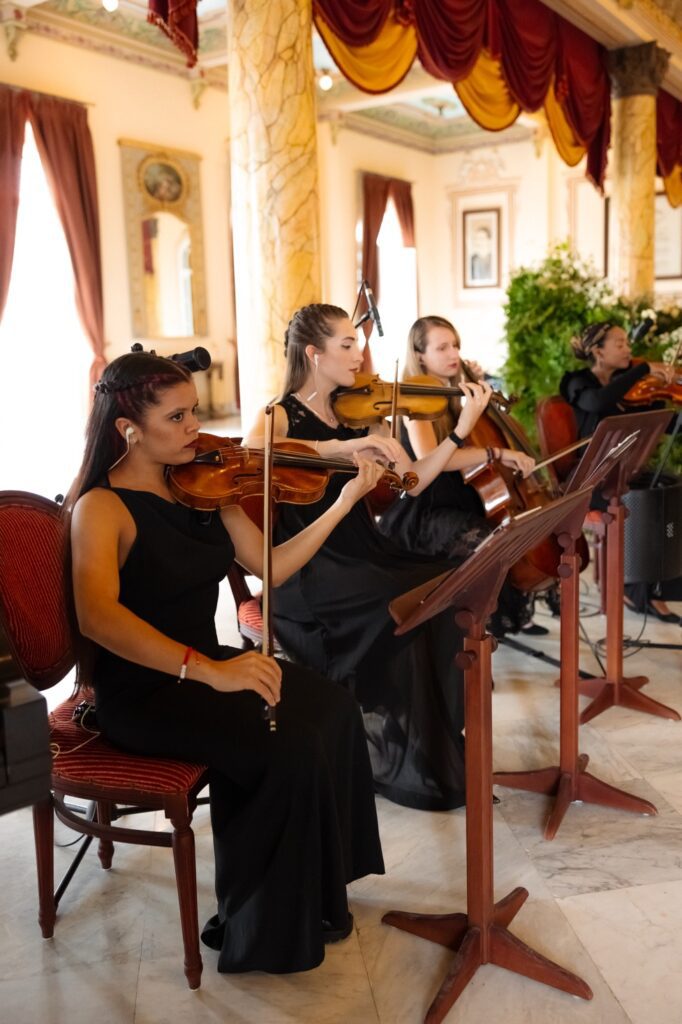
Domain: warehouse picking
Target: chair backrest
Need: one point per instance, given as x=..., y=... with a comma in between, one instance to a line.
x=33, y=593
x=557, y=429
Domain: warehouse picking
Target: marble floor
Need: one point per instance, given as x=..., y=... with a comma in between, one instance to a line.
x=605, y=894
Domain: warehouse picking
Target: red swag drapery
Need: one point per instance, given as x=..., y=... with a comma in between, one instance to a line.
x=376, y=192
x=178, y=19
x=537, y=50
x=64, y=143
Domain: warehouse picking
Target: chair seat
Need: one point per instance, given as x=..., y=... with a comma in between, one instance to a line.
x=98, y=763
x=250, y=619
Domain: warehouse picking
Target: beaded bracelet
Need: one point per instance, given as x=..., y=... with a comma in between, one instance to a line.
x=185, y=661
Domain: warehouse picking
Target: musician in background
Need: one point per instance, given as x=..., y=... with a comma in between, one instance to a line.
x=292, y=811
x=448, y=520
x=598, y=391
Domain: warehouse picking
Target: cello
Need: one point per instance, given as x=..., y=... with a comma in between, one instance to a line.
x=504, y=493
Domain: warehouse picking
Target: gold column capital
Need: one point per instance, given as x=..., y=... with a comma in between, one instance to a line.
x=637, y=70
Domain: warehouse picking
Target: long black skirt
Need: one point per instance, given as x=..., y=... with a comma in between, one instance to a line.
x=292, y=812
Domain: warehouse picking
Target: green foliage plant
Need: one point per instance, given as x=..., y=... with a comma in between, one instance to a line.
x=546, y=306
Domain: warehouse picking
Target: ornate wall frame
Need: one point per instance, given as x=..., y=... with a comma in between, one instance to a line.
x=157, y=178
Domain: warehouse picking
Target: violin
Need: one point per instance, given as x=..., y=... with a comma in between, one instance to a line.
x=370, y=399
x=652, y=389
x=225, y=473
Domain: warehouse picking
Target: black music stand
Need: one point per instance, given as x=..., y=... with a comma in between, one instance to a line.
x=569, y=781
x=481, y=935
x=614, y=688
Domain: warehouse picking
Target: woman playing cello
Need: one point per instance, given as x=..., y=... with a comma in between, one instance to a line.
x=292, y=811
x=333, y=614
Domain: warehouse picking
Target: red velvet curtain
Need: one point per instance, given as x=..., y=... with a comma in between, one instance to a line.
x=12, y=124
x=376, y=192
x=375, y=197
x=401, y=194
x=584, y=87
x=668, y=133
x=64, y=143
x=534, y=44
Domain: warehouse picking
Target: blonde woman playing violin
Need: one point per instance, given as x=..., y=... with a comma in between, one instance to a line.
x=447, y=520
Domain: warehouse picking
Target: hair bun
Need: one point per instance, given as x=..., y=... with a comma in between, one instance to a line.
x=592, y=337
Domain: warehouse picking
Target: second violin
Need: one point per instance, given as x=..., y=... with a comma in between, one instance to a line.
x=371, y=399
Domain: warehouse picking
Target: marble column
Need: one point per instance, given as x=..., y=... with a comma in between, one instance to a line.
x=275, y=205
x=636, y=73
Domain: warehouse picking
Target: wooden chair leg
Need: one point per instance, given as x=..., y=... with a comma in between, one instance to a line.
x=186, y=881
x=43, y=834
x=105, y=849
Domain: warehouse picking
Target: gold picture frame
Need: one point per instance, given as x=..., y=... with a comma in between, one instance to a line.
x=162, y=199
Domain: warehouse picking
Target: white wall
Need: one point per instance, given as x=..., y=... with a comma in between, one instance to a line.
x=511, y=176
x=135, y=102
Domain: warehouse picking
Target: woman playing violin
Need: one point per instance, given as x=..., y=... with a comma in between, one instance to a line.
x=598, y=391
x=447, y=519
x=292, y=811
x=333, y=614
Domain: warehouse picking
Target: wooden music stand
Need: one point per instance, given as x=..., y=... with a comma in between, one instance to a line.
x=481, y=935
x=568, y=781
x=614, y=688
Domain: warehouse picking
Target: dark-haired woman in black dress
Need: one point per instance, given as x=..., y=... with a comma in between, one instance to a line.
x=292, y=812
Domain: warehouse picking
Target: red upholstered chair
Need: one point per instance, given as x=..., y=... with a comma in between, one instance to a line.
x=33, y=612
x=557, y=429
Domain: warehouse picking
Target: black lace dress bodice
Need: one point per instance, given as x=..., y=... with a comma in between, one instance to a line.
x=333, y=614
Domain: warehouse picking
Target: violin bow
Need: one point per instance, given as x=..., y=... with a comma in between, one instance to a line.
x=394, y=403
x=270, y=713
x=564, y=451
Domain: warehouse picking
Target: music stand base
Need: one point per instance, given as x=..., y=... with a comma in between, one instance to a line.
x=500, y=948
x=622, y=693
x=570, y=787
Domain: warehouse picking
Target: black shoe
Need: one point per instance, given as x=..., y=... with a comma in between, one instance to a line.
x=534, y=629
x=332, y=935
x=669, y=617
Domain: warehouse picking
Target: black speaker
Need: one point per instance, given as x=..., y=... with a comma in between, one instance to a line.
x=653, y=531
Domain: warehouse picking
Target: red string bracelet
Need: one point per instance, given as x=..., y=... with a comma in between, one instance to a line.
x=183, y=667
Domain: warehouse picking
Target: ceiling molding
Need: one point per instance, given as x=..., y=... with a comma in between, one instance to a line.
x=468, y=135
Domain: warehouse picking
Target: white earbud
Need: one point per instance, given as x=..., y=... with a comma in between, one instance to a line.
x=130, y=431
x=316, y=360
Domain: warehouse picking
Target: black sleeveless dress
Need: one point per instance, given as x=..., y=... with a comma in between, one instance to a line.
x=447, y=520
x=292, y=812
x=333, y=615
